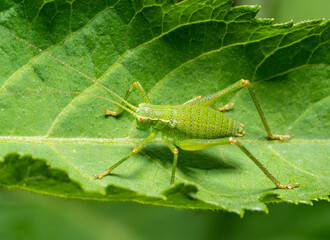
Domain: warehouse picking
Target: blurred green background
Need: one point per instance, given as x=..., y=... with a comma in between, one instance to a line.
x=26, y=215
x=287, y=10
x=29, y=216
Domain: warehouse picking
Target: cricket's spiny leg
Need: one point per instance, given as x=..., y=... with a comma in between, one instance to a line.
x=192, y=101
x=262, y=168
x=197, y=144
x=208, y=100
x=142, y=92
x=175, y=152
x=134, y=151
x=261, y=114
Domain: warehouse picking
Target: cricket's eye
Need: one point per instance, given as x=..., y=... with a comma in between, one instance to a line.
x=141, y=119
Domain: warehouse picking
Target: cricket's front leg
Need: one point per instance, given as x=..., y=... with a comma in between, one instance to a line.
x=175, y=152
x=134, y=151
x=142, y=92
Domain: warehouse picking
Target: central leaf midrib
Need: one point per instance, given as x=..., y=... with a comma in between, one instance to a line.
x=126, y=140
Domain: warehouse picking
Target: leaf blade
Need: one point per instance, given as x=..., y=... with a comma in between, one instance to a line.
x=176, y=50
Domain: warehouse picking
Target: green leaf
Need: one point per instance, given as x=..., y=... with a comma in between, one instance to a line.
x=177, y=51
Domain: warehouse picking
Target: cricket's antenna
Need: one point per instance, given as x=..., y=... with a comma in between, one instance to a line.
x=73, y=92
x=67, y=65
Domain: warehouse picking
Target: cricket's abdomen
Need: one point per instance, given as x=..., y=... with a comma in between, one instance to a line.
x=204, y=123
x=193, y=121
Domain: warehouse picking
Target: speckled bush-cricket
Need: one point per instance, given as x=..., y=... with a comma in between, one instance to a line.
x=194, y=125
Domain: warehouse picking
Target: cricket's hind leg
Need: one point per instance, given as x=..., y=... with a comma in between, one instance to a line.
x=197, y=144
x=209, y=101
x=196, y=101
x=261, y=167
x=262, y=115
x=142, y=92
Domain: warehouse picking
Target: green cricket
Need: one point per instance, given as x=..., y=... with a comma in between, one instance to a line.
x=194, y=125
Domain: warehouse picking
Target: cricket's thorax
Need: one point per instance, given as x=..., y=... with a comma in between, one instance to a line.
x=192, y=121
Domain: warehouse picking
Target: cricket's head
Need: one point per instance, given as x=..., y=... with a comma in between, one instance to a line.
x=142, y=115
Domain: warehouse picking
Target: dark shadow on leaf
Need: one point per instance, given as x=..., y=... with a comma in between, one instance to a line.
x=27, y=172
x=268, y=197
x=264, y=191
x=130, y=176
x=112, y=175
x=187, y=159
